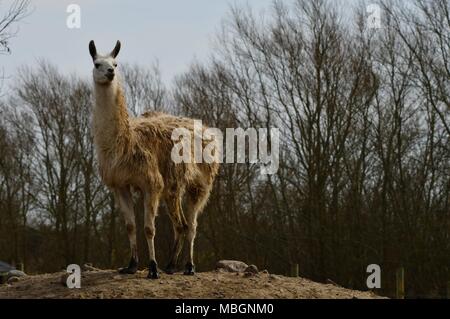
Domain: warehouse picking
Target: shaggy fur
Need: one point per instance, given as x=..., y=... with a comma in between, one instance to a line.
x=135, y=153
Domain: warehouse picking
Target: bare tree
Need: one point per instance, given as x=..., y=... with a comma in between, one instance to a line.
x=359, y=137
x=17, y=11
x=364, y=159
x=144, y=88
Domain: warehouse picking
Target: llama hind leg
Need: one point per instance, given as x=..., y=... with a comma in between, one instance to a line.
x=151, y=203
x=195, y=201
x=125, y=202
x=179, y=227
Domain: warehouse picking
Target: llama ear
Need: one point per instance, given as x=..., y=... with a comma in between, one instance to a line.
x=92, y=49
x=116, y=50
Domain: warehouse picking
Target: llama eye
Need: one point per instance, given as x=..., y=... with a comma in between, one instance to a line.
x=115, y=65
x=97, y=65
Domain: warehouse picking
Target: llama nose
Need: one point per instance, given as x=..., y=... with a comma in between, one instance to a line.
x=110, y=70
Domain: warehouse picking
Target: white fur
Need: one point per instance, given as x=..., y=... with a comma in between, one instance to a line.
x=101, y=66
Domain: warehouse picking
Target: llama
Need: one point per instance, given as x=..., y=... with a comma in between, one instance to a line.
x=134, y=153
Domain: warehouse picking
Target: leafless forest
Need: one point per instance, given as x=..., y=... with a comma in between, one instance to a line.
x=364, y=177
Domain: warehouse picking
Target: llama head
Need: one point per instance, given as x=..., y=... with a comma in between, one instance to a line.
x=104, y=65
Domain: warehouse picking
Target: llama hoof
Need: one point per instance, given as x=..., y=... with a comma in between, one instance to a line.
x=153, y=270
x=189, y=273
x=190, y=269
x=170, y=269
x=153, y=275
x=131, y=269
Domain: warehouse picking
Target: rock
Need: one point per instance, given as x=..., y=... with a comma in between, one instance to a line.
x=13, y=279
x=273, y=277
x=5, y=268
x=251, y=269
x=265, y=272
x=16, y=273
x=231, y=265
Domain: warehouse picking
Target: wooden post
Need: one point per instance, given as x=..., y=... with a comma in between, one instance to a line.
x=20, y=267
x=294, y=270
x=400, y=283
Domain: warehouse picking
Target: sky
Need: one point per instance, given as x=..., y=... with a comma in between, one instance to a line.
x=172, y=32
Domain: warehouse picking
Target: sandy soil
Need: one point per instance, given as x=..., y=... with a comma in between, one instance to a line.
x=215, y=284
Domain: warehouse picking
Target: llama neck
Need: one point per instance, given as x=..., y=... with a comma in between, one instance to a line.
x=110, y=118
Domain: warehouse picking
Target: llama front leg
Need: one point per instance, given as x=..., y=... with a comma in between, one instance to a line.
x=151, y=209
x=125, y=202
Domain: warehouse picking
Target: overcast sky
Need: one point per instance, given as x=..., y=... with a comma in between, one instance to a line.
x=174, y=32
x=171, y=31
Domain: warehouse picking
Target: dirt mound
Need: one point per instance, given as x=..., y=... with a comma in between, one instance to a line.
x=215, y=284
